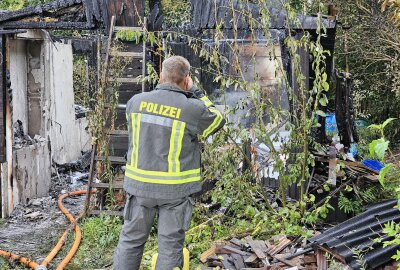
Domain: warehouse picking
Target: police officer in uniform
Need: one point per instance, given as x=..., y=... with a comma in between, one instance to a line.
x=163, y=168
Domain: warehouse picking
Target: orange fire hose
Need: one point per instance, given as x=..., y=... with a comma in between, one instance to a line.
x=61, y=242
x=19, y=259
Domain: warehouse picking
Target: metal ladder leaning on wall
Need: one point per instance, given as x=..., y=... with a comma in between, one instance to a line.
x=115, y=135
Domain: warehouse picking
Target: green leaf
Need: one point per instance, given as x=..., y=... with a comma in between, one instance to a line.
x=387, y=122
x=325, y=85
x=372, y=147
x=383, y=173
x=397, y=256
x=320, y=113
x=381, y=148
x=377, y=127
x=323, y=100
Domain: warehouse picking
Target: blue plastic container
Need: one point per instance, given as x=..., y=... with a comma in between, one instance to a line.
x=373, y=164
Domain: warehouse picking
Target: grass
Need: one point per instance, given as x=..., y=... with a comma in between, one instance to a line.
x=99, y=239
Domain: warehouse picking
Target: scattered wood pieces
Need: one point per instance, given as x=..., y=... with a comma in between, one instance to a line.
x=249, y=254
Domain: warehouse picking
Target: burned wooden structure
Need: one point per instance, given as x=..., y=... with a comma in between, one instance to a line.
x=49, y=57
x=241, y=21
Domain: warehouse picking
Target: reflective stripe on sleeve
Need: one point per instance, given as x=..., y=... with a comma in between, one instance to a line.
x=206, y=101
x=214, y=125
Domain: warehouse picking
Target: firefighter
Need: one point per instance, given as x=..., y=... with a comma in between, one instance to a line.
x=163, y=168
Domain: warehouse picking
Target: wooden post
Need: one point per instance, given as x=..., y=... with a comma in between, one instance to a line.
x=322, y=262
x=3, y=91
x=90, y=180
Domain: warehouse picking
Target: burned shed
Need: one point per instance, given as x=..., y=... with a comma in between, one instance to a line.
x=39, y=126
x=240, y=21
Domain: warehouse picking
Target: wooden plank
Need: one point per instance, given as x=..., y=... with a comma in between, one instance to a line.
x=128, y=28
x=107, y=185
x=107, y=59
x=257, y=249
x=227, y=262
x=91, y=177
x=236, y=251
x=322, y=263
x=127, y=54
x=236, y=242
x=251, y=259
x=112, y=159
x=278, y=248
x=3, y=93
x=280, y=257
x=238, y=261
x=117, y=132
x=208, y=253
x=125, y=80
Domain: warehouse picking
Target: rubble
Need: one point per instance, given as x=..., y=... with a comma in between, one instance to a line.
x=80, y=111
x=21, y=139
x=279, y=252
x=359, y=235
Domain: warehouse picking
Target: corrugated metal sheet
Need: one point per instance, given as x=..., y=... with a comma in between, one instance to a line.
x=358, y=235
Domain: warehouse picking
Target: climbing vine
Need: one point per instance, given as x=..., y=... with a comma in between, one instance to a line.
x=235, y=177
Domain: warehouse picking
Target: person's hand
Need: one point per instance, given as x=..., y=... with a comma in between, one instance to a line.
x=189, y=83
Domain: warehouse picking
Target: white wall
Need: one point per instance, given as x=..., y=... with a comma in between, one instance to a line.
x=31, y=173
x=27, y=172
x=18, y=68
x=68, y=136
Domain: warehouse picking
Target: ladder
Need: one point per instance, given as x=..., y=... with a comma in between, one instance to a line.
x=118, y=139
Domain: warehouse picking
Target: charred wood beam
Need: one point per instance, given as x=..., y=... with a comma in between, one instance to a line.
x=3, y=91
x=37, y=10
x=47, y=25
x=5, y=32
x=156, y=16
x=207, y=14
x=344, y=110
x=89, y=11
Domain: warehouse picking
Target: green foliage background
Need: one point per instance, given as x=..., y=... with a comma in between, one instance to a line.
x=18, y=4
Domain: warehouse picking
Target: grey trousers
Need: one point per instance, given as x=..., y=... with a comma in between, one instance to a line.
x=173, y=220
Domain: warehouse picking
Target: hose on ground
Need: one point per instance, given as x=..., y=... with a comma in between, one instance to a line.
x=61, y=242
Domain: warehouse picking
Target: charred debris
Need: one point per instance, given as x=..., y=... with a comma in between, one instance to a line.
x=25, y=29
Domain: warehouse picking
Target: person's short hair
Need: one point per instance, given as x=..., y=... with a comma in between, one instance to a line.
x=175, y=69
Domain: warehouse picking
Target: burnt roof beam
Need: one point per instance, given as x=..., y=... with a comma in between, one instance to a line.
x=46, y=25
x=37, y=10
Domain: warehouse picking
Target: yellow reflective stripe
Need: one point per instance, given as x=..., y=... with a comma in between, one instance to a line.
x=136, y=118
x=178, y=151
x=133, y=161
x=158, y=173
x=160, y=181
x=139, y=117
x=206, y=101
x=171, y=159
x=175, y=146
x=217, y=121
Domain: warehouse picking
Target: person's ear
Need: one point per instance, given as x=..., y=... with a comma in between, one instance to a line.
x=187, y=82
x=161, y=77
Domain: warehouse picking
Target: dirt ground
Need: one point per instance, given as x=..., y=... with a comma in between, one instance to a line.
x=33, y=229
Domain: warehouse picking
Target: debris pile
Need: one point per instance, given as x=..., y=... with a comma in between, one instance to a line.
x=80, y=111
x=21, y=139
x=280, y=252
x=357, y=243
